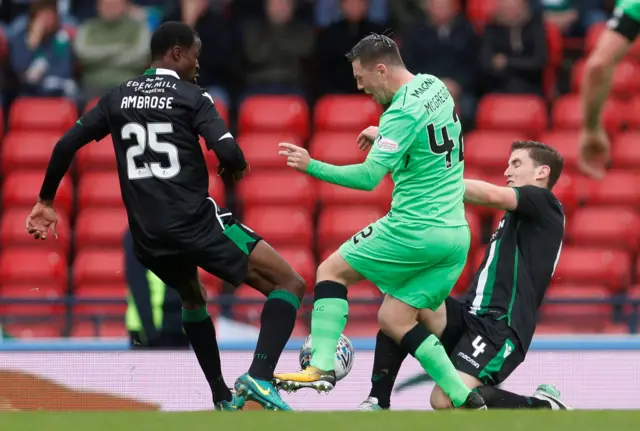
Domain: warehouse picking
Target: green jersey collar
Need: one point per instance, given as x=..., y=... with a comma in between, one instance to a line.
x=160, y=71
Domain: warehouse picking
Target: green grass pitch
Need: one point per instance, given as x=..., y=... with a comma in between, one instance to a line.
x=329, y=421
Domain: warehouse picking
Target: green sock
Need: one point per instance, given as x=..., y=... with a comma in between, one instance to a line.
x=435, y=361
x=328, y=320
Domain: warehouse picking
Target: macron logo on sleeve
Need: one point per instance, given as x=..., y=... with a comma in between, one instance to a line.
x=208, y=96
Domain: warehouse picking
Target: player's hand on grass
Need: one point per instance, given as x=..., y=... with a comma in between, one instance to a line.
x=42, y=219
x=594, y=152
x=297, y=157
x=366, y=137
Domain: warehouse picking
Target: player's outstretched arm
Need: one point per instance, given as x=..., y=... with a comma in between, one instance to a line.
x=613, y=44
x=489, y=195
x=212, y=128
x=363, y=176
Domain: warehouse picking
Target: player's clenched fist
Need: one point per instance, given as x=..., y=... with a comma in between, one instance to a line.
x=297, y=157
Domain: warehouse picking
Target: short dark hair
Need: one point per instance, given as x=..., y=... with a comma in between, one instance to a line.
x=543, y=154
x=376, y=47
x=170, y=34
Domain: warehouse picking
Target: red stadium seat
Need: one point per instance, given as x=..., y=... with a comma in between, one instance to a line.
x=99, y=189
x=89, y=329
x=567, y=190
x=339, y=148
x=13, y=233
x=475, y=226
x=88, y=292
x=579, y=264
x=1, y=123
x=47, y=292
x=591, y=315
x=566, y=142
x=96, y=156
x=24, y=150
x=280, y=225
x=50, y=328
x=102, y=266
x=248, y=312
x=331, y=194
x=279, y=188
x=489, y=150
x=336, y=225
x=465, y=278
x=21, y=189
x=631, y=113
x=302, y=261
x=480, y=12
x=624, y=85
x=522, y=113
x=33, y=267
x=366, y=327
x=4, y=49
x=605, y=227
x=617, y=188
x=566, y=114
x=365, y=290
x=261, y=149
x=274, y=114
x=100, y=227
x=91, y=104
x=346, y=113
x=42, y=114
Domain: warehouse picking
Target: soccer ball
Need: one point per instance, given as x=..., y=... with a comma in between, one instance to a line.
x=344, y=356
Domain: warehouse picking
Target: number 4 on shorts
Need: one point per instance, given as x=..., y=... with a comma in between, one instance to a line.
x=479, y=346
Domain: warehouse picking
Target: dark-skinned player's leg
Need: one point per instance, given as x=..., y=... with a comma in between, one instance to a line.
x=179, y=272
x=270, y=274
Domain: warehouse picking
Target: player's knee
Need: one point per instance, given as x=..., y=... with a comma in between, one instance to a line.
x=296, y=285
x=440, y=400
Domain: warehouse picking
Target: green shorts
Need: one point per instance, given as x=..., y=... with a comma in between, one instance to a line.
x=418, y=265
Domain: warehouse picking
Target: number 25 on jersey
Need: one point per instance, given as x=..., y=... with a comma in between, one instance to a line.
x=147, y=140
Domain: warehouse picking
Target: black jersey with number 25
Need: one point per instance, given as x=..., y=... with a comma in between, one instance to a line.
x=154, y=121
x=519, y=262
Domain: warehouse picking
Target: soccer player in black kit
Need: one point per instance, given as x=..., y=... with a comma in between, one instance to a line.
x=487, y=333
x=155, y=120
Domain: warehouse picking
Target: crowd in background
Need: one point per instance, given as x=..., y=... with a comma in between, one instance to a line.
x=81, y=48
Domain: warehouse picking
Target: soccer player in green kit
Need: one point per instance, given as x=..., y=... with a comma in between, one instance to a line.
x=622, y=30
x=415, y=253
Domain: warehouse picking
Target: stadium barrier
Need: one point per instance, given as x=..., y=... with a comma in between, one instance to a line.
x=595, y=372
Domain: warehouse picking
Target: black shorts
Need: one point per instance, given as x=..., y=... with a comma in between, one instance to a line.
x=483, y=347
x=223, y=250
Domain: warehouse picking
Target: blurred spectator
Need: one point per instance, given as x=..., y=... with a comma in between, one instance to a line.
x=514, y=50
x=443, y=43
x=275, y=51
x=218, y=60
x=574, y=17
x=111, y=48
x=154, y=310
x=334, y=71
x=403, y=13
x=40, y=53
x=328, y=12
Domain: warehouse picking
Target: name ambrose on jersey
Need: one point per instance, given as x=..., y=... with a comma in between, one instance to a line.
x=149, y=102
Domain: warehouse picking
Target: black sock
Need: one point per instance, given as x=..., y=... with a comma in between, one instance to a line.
x=202, y=335
x=387, y=360
x=496, y=398
x=276, y=325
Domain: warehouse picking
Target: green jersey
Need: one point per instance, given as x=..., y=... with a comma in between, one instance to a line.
x=626, y=19
x=420, y=143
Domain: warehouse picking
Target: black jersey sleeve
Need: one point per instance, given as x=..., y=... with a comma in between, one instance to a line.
x=623, y=23
x=532, y=201
x=211, y=127
x=91, y=126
